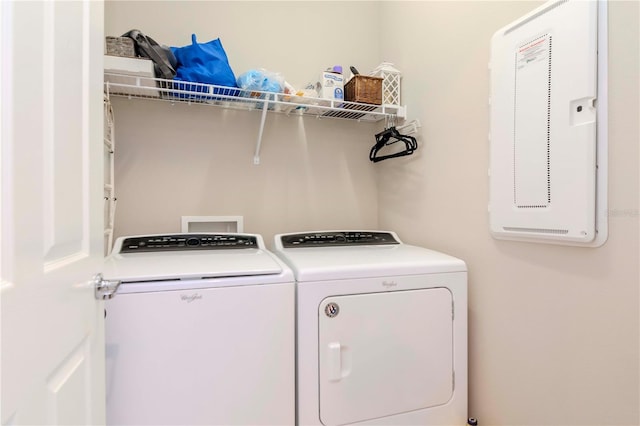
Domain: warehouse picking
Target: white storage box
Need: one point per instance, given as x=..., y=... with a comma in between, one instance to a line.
x=123, y=72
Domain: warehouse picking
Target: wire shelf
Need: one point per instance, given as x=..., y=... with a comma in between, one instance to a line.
x=138, y=87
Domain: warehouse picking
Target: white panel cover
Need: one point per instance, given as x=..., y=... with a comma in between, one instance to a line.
x=543, y=125
x=213, y=356
x=384, y=353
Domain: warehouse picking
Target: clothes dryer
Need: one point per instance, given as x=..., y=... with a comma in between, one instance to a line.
x=200, y=332
x=381, y=330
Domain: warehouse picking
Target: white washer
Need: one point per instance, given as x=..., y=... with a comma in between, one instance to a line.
x=200, y=331
x=381, y=330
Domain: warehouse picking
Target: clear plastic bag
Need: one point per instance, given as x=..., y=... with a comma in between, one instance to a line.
x=261, y=80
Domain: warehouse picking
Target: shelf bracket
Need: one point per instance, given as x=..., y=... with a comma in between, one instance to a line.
x=265, y=107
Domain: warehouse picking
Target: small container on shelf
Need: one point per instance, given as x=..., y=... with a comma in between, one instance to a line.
x=332, y=83
x=120, y=46
x=364, y=89
x=390, y=84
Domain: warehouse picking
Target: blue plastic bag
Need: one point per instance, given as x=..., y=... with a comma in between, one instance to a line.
x=204, y=63
x=261, y=80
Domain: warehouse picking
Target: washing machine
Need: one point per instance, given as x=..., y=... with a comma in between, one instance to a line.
x=381, y=330
x=200, y=332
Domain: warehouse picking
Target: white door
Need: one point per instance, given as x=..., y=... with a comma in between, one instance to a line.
x=51, y=195
x=384, y=354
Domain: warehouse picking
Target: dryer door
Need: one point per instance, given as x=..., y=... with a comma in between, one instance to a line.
x=382, y=354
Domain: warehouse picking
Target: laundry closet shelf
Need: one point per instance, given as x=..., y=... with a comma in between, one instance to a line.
x=138, y=87
x=135, y=87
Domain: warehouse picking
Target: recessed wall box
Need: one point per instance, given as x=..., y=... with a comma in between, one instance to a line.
x=212, y=224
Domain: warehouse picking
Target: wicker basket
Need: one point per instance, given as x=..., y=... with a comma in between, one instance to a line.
x=364, y=89
x=120, y=46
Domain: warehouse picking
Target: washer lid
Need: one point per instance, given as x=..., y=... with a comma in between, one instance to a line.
x=321, y=263
x=209, y=258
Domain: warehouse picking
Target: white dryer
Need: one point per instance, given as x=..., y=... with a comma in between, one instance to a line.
x=200, y=332
x=381, y=330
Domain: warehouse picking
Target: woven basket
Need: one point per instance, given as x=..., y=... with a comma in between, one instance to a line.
x=120, y=46
x=364, y=89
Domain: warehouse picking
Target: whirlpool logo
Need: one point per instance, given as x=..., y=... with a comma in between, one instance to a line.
x=190, y=297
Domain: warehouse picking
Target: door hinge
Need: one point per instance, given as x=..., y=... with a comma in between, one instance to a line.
x=105, y=289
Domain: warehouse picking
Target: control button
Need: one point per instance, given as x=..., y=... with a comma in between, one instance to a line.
x=193, y=242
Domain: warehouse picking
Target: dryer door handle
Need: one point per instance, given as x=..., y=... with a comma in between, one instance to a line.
x=335, y=365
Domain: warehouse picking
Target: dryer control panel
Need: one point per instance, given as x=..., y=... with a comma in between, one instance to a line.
x=154, y=243
x=342, y=238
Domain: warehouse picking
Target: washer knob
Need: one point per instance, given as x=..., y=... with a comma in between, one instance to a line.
x=193, y=242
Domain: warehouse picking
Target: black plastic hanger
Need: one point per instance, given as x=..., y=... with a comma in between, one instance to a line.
x=388, y=137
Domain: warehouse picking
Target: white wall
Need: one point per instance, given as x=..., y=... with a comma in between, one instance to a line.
x=198, y=160
x=297, y=38
x=553, y=330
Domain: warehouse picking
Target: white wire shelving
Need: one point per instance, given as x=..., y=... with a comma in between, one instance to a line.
x=109, y=180
x=138, y=87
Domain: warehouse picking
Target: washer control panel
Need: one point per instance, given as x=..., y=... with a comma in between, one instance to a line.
x=177, y=242
x=332, y=239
